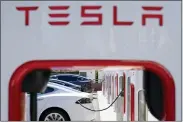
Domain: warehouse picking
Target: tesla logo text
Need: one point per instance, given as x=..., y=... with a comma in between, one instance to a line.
x=98, y=16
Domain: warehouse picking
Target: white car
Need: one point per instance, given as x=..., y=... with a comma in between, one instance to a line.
x=60, y=103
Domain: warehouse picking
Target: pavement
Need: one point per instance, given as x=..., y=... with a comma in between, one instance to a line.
x=109, y=114
x=96, y=107
x=101, y=103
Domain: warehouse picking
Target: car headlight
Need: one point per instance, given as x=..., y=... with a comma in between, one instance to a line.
x=84, y=101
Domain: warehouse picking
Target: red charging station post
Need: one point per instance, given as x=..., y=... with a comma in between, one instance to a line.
x=132, y=88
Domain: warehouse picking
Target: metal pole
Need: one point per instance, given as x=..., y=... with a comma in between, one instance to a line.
x=33, y=106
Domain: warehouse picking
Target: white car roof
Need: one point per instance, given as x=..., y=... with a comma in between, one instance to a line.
x=79, y=94
x=70, y=92
x=64, y=82
x=70, y=74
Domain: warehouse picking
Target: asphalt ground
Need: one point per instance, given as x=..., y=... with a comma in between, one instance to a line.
x=96, y=107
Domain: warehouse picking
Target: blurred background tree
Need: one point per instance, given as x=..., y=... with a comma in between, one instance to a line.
x=96, y=76
x=65, y=72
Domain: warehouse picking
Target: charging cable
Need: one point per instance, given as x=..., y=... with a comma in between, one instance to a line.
x=120, y=94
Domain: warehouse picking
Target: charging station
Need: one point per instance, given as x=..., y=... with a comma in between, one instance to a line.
x=130, y=83
x=16, y=96
x=30, y=44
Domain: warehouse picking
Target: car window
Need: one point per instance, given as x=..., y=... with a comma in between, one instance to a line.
x=74, y=78
x=48, y=90
x=64, y=78
x=57, y=82
x=67, y=78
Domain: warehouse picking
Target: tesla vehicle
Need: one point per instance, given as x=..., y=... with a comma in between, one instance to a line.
x=62, y=103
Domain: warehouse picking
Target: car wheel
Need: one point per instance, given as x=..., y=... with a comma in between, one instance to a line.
x=54, y=115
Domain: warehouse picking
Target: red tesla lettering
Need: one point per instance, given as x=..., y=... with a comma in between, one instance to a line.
x=27, y=9
x=59, y=15
x=152, y=16
x=116, y=21
x=96, y=15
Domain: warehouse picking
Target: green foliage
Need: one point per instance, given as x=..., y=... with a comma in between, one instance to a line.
x=65, y=72
x=96, y=76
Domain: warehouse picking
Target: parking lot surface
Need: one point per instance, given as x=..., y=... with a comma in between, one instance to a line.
x=96, y=107
x=101, y=103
